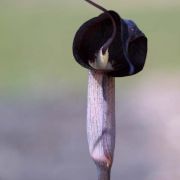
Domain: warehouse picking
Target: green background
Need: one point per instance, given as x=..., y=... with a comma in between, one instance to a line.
x=36, y=40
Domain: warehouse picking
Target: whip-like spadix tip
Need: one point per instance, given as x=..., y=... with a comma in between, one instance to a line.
x=110, y=44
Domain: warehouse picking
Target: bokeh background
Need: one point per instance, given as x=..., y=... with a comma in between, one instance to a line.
x=43, y=93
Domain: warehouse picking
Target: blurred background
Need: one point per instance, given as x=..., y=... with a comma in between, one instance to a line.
x=43, y=93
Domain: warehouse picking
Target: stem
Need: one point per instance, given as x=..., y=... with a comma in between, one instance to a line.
x=101, y=121
x=103, y=173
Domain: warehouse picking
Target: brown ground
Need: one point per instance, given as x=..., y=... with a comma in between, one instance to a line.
x=44, y=139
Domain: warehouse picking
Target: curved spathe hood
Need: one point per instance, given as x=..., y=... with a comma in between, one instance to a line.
x=127, y=52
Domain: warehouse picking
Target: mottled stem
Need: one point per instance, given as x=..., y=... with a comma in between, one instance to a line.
x=101, y=121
